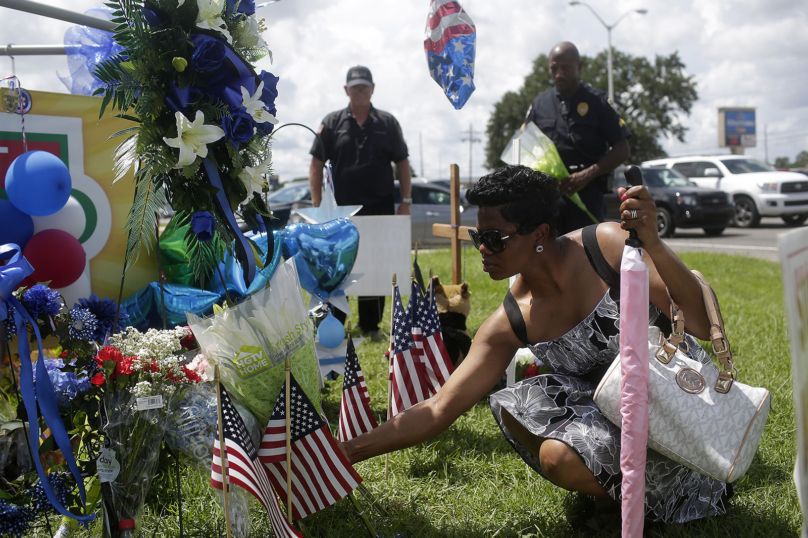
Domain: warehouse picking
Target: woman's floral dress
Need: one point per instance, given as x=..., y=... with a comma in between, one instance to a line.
x=559, y=405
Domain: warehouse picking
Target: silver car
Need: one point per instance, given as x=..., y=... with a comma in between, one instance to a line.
x=431, y=204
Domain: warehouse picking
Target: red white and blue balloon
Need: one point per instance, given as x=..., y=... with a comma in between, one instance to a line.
x=450, y=42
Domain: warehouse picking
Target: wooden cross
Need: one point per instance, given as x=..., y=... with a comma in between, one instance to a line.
x=454, y=231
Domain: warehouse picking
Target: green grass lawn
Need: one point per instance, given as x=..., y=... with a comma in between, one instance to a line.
x=468, y=482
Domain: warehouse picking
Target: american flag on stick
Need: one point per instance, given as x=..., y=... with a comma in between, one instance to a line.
x=243, y=467
x=428, y=337
x=408, y=377
x=320, y=473
x=355, y=416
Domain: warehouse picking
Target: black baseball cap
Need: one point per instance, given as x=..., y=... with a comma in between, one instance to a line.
x=359, y=75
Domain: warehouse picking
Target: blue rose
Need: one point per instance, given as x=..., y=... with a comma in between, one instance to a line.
x=245, y=6
x=208, y=53
x=203, y=225
x=270, y=88
x=262, y=228
x=238, y=127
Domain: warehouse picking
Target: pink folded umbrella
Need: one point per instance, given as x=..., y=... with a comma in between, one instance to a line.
x=634, y=386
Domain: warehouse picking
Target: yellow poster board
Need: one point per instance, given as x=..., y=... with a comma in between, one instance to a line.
x=68, y=126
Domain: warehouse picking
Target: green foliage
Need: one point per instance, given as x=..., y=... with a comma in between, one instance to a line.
x=800, y=162
x=141, y=225
x=650, y=96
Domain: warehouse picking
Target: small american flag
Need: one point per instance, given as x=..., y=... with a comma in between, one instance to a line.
x=355, y=416
x=429, y=339
x=408, y=377
x=320, y=473
x=244, y=469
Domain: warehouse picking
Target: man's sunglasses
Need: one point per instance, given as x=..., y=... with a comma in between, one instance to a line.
x=493, y=239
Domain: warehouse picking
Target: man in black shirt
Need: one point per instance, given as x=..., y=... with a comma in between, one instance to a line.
x=361, y=142
x=590, y=137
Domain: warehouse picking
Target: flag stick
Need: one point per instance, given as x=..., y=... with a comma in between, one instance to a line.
x=222, y=449
x=389, y=369
x=288, y=441
x=431, y=289
x=361, y=512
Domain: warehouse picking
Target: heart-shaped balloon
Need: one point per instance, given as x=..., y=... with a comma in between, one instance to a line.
x=324, y=253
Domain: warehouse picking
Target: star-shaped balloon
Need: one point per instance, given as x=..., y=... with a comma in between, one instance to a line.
x=328, y=210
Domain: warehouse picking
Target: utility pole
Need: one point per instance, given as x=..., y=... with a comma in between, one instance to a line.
x=421, y=146
x=471, y=140
x=766, y=141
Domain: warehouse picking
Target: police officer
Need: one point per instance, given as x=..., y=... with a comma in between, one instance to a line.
x=361, y=142
x=590, y=137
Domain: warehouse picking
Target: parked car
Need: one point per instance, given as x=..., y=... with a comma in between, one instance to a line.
x=757, y=189
x=431, y=203
x=680, y=203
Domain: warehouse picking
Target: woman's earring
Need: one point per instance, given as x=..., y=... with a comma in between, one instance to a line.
x=539, y=248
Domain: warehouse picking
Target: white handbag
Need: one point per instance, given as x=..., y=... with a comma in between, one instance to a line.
x=698, y=416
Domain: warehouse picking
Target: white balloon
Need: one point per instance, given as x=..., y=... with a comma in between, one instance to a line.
x=70, y=218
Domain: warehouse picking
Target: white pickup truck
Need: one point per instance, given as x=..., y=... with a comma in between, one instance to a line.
x=757, y=189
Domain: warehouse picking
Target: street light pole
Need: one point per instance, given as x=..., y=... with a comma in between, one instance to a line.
x=609, y=33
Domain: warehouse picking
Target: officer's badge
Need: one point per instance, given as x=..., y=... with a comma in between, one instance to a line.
x=583, y=108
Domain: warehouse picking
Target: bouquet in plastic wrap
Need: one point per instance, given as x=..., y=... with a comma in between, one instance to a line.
x=538, y=152
x=192, y=428
x=141, y=373
x=251, y=341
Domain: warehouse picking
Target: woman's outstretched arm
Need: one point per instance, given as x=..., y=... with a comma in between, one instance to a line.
x=493, y=348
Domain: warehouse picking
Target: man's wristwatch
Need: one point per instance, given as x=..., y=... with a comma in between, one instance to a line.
x=406, y=200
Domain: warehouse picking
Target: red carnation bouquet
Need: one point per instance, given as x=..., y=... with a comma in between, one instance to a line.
x=139, y=373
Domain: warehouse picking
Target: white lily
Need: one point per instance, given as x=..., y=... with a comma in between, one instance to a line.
x=253, y=177
x=250, y=35
x=255, y=106
x=193, y=138
x=210, y=17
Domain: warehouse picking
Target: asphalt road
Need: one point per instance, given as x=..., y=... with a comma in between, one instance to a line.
x=760, y=242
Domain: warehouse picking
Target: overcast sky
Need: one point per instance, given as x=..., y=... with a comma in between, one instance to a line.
x=751, y=53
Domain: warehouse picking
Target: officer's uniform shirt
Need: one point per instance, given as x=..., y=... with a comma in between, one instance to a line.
x=587, y=114
x=361, y=156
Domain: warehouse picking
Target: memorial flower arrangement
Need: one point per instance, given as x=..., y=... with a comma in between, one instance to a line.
x=202, y=119
x=140, y=373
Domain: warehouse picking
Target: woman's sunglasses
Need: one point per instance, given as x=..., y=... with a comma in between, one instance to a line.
x=493, y=239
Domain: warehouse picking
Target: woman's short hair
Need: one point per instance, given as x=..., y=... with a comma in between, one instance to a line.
x=525, y=197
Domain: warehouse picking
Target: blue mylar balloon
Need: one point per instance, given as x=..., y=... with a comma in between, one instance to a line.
x=38, y=183
x=15, y=226
x=234, y=276
x=324, y=253
x=330, y=332
x=144, y=307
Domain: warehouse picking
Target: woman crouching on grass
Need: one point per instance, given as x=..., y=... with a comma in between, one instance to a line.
x=564, y=306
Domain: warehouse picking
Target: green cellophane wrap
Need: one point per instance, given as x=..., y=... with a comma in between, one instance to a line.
x=174, y=259
x=251, y=341
x=538, y=152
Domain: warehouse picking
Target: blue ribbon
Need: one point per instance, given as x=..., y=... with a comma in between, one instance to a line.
x=10, y=277
x=243, y=248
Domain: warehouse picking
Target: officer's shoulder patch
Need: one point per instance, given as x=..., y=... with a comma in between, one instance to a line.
x=320, y=129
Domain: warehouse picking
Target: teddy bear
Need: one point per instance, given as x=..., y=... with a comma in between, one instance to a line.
x=454, y=305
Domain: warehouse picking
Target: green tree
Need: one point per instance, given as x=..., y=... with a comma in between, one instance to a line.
x=802, y=160
x=782, y=162
x=650, y=97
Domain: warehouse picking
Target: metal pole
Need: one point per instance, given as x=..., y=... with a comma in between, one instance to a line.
x=471, y=149
x=58, y=13
x=766, y=140
x=611, y=80
x=421, y=144
x=37, y=50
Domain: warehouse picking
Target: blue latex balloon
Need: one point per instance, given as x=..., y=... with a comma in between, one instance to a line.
x=330, y=332
x=144, y=307
x=15, y=226
x=324, y=253
x=38, y=183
